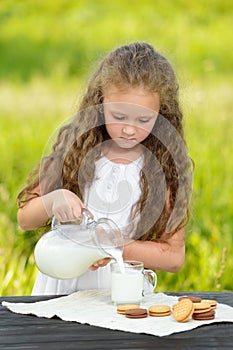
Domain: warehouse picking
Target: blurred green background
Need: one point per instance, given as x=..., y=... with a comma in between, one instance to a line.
x=48, y=50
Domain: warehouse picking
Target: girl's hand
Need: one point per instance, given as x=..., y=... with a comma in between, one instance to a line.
x=99, y=263
x=65, y=205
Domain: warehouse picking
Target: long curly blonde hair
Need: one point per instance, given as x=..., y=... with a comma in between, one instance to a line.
x=71, y=164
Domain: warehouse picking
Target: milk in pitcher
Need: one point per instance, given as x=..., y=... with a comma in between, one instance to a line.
x=63, y=258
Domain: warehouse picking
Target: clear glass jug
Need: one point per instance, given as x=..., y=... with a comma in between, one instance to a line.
x=69, y=249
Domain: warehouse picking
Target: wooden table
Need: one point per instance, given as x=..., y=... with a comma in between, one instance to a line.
x=31, y=332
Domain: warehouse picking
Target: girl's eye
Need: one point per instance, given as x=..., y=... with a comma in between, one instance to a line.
x=118, y=117
x=144, y=120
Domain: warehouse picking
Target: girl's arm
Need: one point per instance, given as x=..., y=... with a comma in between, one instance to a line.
x=34, y=213
x=167, y=256
x=63, y=204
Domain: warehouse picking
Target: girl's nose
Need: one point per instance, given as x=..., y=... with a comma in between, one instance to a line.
x=128, y=130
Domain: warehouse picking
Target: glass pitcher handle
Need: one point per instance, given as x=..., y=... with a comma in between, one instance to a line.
x=86, y=214
x=54, y=222
x=150, y=281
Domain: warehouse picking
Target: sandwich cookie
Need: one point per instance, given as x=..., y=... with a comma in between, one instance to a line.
x=194, y=299
x=159, y=310
x=136, y=313
x=203, y=311
x=213, y=303
x=204, y=316
x=203, y=306
x=121, y=309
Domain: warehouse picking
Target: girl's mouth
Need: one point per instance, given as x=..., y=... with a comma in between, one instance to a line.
x=128, y=139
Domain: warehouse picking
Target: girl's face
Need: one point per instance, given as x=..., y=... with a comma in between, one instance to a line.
x=130, y=114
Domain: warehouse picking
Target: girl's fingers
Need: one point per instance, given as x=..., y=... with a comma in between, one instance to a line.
x=105, y=261
x=66, y=214
x=99, y=263
x=77, y=214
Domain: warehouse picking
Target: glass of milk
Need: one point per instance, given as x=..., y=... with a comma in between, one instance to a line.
x=128, y=284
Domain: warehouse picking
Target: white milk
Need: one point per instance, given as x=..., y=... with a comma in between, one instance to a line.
x=61, y=257
x=116, y=254
x=127, y=287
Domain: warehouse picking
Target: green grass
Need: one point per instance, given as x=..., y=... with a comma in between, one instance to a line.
x=48, y=48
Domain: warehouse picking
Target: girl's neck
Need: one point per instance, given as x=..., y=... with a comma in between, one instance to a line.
x=121, y=155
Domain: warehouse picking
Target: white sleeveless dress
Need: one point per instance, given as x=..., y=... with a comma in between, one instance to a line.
x=112, y=194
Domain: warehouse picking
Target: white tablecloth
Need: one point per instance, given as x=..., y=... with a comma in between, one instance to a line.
x=94, y=307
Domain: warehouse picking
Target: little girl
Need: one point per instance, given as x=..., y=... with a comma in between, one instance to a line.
x=123, y=156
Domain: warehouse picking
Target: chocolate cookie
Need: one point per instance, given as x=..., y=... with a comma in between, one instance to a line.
x=194, y=299
x=209, y=315
x=136, y=313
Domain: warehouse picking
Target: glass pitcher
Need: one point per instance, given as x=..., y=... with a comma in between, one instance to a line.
x=69, y=249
